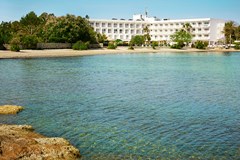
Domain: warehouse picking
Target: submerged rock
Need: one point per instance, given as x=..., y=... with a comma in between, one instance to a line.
x=10, y=109
x=20, y=142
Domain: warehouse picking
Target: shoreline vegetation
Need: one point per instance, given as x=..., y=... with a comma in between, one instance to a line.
x=120, y=50
x=21, y=142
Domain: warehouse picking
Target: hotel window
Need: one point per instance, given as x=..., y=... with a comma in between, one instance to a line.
x=103, y=30
x=206, y=35
x=156, y=37
x=138, y=32
x=161, y=36
x=92, y=24
x=193, y=23
x=132, y=25
x=193, y=29
x=156, y=25
x=199, y=29
x=176, y=30
x=121, y=37
x=199, y=35
x=206, y=29
x=199, y=23
x=97, y=30
x=126, y=25
x=166, y=30
x=137, y=26
x=161, y=24
x=160, y=30
x=132, y=31
x=166, y=36
x=171, y=30
x=103, y=24
x=115, y=30
x=177, y=24
x=155, y=30
x=97, y=24
x=120, y=31
x=126, y=31
x=171, y=24
x=206, y=23
x=194, y=35
x=127, y=37
x=115, y=36
x=115, y=24
x=166, y=24
x=109, y=25
x=120, y=25
x=109, y=30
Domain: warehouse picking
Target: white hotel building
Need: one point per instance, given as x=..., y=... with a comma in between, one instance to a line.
x=204, y=29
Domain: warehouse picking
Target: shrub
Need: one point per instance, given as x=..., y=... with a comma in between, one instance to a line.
x=131, y=47
x=111, y=45
x=2, y=47
x=154, y=44
x=15, y=42
x=29, y=41
x=201, y=45
x=178, y=45
x=79, y=45
x=119, y=42
x=237, y=46
x=15, y=48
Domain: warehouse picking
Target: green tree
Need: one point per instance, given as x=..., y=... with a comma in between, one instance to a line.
x=5, y=33
x=30, y=24
x=69, y=29
x=181, y=37
x=137, y=40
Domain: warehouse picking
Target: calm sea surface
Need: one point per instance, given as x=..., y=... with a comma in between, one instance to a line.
x=148, y=106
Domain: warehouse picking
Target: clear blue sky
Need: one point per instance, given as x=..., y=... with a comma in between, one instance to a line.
x=11, y=10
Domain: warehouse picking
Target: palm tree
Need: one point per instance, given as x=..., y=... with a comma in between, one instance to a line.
x=147, y=34
x=187, y=27
x=237, y=33
x=229, y=32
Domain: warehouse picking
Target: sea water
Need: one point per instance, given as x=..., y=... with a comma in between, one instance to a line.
x=149, y=106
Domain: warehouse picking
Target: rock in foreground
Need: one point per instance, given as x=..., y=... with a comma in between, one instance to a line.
x=10, y=109
x=20, y=142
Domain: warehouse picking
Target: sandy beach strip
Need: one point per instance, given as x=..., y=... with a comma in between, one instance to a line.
x=72, y=53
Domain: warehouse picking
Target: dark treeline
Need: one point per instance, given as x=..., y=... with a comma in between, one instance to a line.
x=32, y=29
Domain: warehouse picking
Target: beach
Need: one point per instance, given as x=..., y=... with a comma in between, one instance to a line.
x=72, y=53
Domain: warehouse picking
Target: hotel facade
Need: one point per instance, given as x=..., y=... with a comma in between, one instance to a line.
x=204, y=29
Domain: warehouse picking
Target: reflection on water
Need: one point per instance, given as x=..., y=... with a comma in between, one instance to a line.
x=131, y=106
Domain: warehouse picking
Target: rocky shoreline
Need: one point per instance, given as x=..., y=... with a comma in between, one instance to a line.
x=21, y=142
